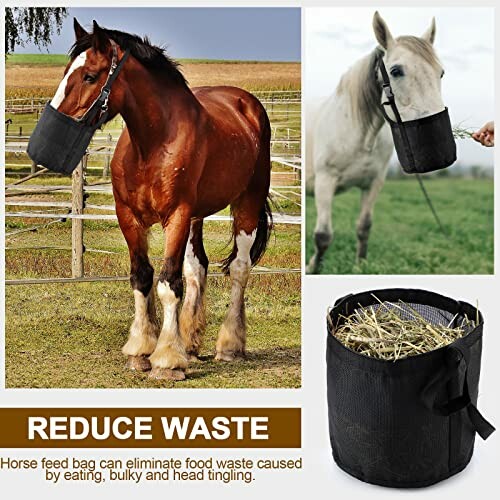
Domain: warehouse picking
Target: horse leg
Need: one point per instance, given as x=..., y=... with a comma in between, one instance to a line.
x=368, y=198
x=247, y=229
x=169, y=359
x=324, y=188
x=193, y=319
x=144, y=329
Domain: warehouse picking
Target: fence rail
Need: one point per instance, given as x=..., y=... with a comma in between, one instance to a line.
x=280, y=104
x=269, y=98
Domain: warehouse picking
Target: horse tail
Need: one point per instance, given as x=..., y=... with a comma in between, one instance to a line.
x=264, y=230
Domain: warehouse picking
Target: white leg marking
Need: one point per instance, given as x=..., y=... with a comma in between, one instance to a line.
x=169, y=352
x=143, y=332
x=61, y=90
x=240, y=269
x=195, y=275
x=193, y=319
x=232, y=335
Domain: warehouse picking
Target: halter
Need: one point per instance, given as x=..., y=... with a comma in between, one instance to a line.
x=391, y=101
x=100, y=105
x=59, y=141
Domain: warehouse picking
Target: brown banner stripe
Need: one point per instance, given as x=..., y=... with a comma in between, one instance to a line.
x=150, y=428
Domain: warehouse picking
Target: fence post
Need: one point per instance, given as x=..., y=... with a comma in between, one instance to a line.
x=106, y=169
x=77, y=224
x=33, y=167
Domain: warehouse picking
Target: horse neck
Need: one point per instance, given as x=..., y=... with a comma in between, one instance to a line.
x=153, y=107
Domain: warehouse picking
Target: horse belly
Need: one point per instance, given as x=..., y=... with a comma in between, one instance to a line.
x=222, y=182
x=228, y=170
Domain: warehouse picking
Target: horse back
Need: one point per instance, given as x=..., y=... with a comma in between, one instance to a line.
x=232, y=107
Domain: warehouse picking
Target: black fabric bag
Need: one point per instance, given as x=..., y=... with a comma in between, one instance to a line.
x=422, y=145
x=411, y=422
x=430, y=143
x=59, y=141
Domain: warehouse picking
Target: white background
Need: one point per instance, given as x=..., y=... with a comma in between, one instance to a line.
x=320, y=477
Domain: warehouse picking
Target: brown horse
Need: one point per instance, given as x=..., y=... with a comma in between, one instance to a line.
x=184, y=154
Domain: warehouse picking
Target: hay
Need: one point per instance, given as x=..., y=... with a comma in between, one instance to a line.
x=462, y=133
x=393, y=331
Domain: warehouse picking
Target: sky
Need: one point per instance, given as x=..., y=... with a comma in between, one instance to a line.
x=336, y=38
x=264, y=34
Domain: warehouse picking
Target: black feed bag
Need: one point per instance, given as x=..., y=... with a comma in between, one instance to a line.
x=431, y=145
x=59, y=141
x=422, y=145
x=412, y=422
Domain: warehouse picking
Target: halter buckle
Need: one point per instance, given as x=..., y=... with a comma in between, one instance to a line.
x=388, y=90
x=104, y=97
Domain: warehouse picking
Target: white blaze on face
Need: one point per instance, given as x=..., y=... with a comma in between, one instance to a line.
x=61, y=90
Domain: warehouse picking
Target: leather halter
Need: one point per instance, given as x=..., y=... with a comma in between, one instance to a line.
x=100, y=105
x=391, y=101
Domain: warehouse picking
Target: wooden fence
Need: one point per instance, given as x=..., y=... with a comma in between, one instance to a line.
x=285, y=184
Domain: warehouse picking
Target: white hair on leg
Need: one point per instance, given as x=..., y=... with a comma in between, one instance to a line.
x=193, y=319
x=143, y=332
x=232, y=336
x=169, y=352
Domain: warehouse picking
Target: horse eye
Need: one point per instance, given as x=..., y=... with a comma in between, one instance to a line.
x=89, y=78
x=397, y=71
x=442, y=73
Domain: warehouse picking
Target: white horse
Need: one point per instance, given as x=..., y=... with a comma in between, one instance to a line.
x=352, y=143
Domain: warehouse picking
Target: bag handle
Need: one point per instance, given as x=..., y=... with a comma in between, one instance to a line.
x=456, y=362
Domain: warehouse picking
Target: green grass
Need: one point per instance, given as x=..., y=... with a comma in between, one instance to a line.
x=404, y=237
x=62, y=59
x=71, y=335
x=41, y=59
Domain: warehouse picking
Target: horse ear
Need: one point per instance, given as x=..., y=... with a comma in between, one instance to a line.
x=79, y=31
x=430, y=34
x=100, y=39
x=382, y=33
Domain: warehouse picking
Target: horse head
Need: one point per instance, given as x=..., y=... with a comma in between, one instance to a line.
x=414, y=69
x=91, y=60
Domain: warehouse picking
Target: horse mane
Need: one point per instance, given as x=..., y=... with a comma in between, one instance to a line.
x=363, y=88
x=149, y=55
x=362, y=84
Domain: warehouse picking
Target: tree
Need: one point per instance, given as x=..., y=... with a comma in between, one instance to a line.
x=33, y=24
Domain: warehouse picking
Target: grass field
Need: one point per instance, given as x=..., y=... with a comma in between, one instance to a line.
x=71, y=335
x=30, y=75
x=404, y=237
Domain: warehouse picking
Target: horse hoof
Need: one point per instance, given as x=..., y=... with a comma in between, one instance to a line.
x=228, y=356
x=138, y=363
x=167, y=374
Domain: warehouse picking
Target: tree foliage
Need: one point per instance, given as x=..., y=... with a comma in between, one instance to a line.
x=32, y=24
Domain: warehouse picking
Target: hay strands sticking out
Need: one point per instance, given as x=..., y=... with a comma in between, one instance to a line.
x=461, y=132
x=393, y=331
